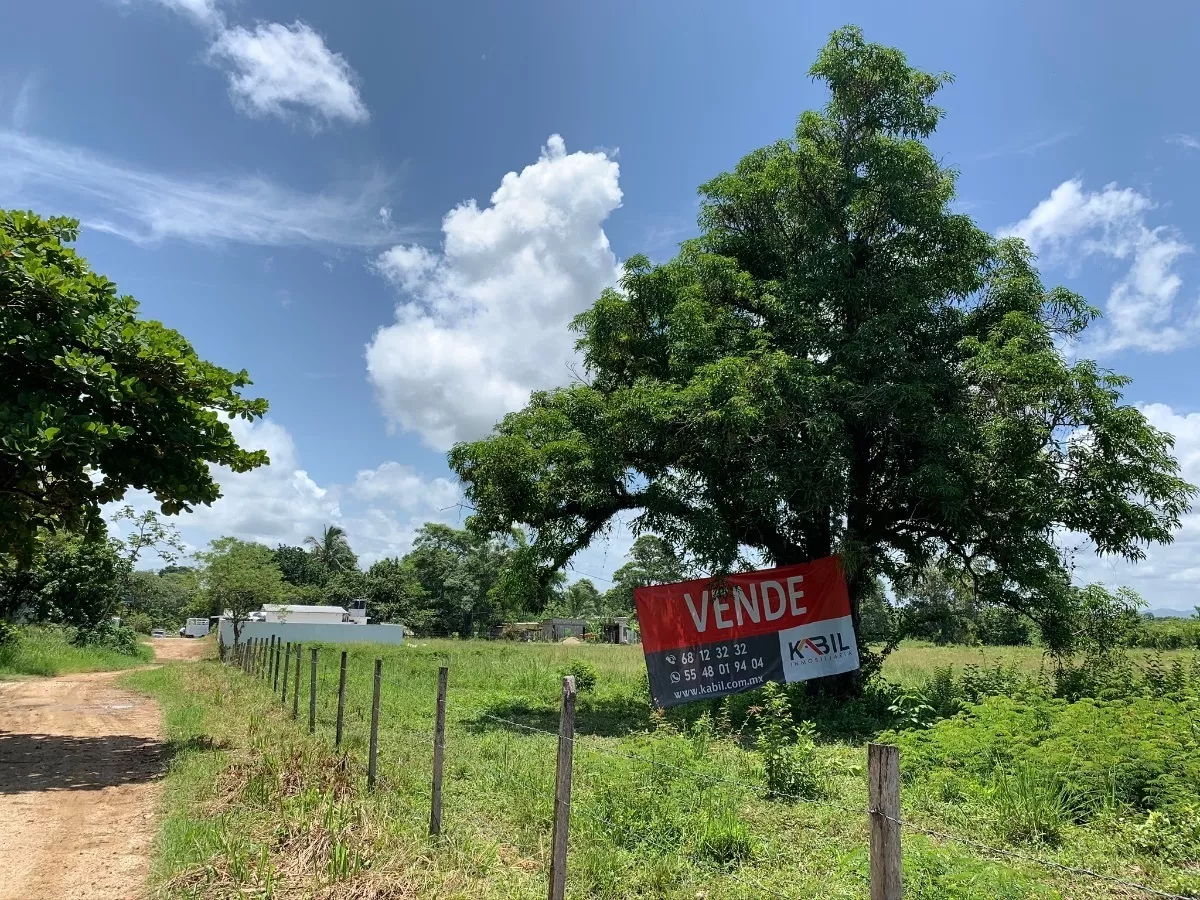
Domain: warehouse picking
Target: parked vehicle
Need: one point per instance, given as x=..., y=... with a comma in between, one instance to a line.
x=158, y=632
x=195, y=627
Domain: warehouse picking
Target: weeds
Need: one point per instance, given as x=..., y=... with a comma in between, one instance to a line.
x=1032, y=805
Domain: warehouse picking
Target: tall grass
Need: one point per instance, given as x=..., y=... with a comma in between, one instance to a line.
x=672, y=806
x=48, y=651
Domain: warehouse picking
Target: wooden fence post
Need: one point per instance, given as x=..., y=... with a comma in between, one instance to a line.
x=271, y=659
x=312, y=692
x=287, y=670
x=439, y=752
x=275, y=673
x=883, y=797
x=562, y=791
x=374, y=750
x=337, y=740
x=296, y=685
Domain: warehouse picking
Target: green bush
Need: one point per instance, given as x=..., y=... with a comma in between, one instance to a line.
x=109, y=636
x=1174, y=837
x=585, y=674
x=1140, y=753
x=787, y=751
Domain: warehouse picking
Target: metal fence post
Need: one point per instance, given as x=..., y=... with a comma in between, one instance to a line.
x=883, y=790
x=439, y=752
x=287, y=669
x=374, y=750
x=337, y=741
x=562, y=791
x=312, y=692
x=296, y=685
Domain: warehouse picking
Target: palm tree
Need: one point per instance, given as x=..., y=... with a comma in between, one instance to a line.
x=331, y=548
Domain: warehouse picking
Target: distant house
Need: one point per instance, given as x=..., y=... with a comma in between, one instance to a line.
x=303, y=614
x=560, y=629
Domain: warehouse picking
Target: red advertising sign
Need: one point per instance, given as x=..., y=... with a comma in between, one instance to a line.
x=709, y=638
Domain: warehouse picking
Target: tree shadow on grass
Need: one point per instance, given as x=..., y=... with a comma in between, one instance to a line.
x=601, y=716
x=53, y=762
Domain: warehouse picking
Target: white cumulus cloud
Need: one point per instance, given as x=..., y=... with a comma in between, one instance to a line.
x=483, y=321
x=282, y=504
x=146, y=206
x=204, y=12
x=1141, y=312
x=405, y=488
x=282, y=70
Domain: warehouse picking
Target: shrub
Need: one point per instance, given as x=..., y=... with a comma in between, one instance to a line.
x=787, y=750
x=585, y=674
x=110, y=636
x=1174, y=836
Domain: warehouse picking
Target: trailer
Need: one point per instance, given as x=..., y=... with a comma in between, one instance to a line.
x=195, y=628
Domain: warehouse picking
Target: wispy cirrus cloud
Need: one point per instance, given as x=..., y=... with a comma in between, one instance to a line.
x=1028, y=146
x=1185, y=140
x=147, y=206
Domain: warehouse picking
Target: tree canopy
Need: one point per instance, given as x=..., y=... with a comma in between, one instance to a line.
x=238, y=577
x=97, y=400
x=839, y=363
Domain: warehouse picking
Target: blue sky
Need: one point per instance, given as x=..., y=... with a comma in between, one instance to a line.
x=321, y=193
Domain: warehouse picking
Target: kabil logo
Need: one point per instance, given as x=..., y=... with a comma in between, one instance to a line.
x=816, y=646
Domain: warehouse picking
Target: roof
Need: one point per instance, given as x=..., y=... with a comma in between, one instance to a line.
x=301, y=607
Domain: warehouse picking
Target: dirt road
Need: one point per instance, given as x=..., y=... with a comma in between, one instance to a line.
x=80, y=763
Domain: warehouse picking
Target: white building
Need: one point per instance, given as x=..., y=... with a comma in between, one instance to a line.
x=304, y=614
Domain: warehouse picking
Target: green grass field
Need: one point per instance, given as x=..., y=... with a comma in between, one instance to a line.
x=46, y=651
x=674, y=806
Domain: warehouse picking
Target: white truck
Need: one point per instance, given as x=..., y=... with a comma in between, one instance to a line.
x=195, y=628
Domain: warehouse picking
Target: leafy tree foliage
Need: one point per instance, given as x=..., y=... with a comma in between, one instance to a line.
x=72, y=580
x=238, y=577
x=154, y=600
x=460, y=574
x=840, y=363
x=651, y=561
x=300, y=567
x=941, y=605
x=90, y=390
x=395, y=594
x=580, y=600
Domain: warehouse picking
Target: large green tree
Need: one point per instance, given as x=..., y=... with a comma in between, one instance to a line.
x=238, y=577
x=97, y=400
x=840, y=363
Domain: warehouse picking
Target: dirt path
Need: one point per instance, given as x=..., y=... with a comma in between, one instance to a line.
x=80, y=763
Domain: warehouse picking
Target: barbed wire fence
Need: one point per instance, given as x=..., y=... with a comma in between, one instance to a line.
x=329, y=704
